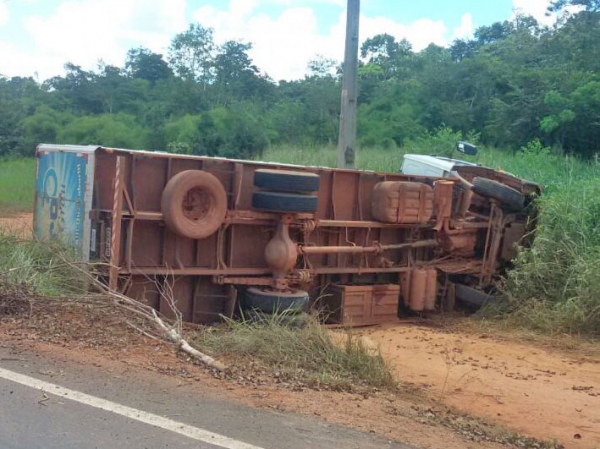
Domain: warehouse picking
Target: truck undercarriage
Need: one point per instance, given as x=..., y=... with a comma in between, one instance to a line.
x=220, y=234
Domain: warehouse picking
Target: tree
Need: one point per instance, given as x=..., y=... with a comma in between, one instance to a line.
x=191, y=54
x=43, y=126
x=79, y=88
x=321, y=67
x=143, y=64
x=561, y=5
x=236, y=77
x=108, y=82
x=393, y=57
x=116, y=130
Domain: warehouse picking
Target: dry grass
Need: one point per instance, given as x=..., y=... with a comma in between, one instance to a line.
x=304, y=357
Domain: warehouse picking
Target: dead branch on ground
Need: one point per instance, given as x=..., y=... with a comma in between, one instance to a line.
x=172, y=334
x=158, y=329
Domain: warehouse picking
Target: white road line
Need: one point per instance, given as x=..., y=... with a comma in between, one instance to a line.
x=131, y=413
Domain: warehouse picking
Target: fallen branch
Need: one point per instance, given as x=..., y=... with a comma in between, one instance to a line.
x=184, y=346
x=171, y=334
x=162, y=331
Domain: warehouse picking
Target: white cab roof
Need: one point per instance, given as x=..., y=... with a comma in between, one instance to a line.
x=442, y=163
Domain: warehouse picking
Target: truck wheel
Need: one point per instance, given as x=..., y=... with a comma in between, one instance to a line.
x=505, y=195
x=194, y=204
x=284, y=202
x=268, y=301
x=286, y=180
x=471, y=296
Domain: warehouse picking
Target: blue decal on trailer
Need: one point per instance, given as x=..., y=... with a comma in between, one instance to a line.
x=60, y=191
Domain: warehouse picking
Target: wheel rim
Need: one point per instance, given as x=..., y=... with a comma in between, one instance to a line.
x=197, y=204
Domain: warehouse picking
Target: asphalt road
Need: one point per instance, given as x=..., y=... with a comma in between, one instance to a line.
x=50, y=404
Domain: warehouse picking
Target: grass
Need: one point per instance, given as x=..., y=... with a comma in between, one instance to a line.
x=533, y=162
x=40, y=268
x=309, y=356
x=17, y=185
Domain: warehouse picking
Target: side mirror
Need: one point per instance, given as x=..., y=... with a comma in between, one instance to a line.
x=466, y=148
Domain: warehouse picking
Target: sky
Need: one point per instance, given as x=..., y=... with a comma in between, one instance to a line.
x=37, y=37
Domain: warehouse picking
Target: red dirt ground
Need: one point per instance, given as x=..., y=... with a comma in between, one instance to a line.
x=21, y=224
x=539, y=391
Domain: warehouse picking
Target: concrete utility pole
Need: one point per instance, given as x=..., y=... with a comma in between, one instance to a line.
x=347, y=138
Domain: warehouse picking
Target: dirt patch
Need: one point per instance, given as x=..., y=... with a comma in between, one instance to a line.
x=20, y=224
x=542, y=392
x=97, y=337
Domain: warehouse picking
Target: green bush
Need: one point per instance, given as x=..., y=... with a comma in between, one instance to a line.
x=111, y=130
x=42, y=127
x=555, y=285
x=226, y=132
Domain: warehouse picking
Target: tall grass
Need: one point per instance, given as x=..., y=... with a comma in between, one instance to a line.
x=17, y=185
x=555, y=285
x=41, y=268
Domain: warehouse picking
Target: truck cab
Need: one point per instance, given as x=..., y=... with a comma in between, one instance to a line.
x=437, y=166
x=494, y=196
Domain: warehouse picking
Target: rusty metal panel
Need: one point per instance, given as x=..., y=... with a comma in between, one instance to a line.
x=181, y=289
x=146, y=244
x=247, y=246
x=344, y=195
x=148, y=179
x=144, y=290
x=103, y=185
x=180, y=251
x=361, y=305
x=210, y=301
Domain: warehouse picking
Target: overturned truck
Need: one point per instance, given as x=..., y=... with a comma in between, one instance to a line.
x=219, y=235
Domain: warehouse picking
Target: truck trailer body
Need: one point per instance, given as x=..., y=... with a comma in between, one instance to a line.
x=213, y=232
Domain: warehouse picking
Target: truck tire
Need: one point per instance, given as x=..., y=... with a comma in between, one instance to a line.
x=268, y=301
x=286, y=180
x=194, y=204
x=284, y=202
x=507, y=196
x=471, y=296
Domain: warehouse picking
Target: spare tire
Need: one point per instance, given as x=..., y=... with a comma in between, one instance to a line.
x=269, y=301
x=194, y=204
x=507, y=196
x=286, y=180
x=284, y=202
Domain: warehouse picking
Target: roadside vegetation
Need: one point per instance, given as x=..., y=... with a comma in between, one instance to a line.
x=307, y=356
x=17, y=185
x=511, y=83
x=41, y=269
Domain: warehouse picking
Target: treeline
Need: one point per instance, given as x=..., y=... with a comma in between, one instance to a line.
x=514, y=82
